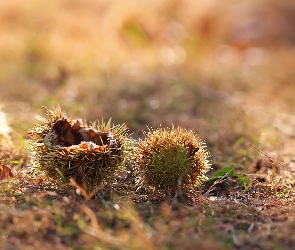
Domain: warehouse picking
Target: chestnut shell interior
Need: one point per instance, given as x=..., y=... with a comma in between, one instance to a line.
x=65, y=134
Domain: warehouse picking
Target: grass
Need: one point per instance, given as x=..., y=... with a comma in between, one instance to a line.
x=205, y=66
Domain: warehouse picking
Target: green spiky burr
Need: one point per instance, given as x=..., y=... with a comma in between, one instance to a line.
x=171, y=159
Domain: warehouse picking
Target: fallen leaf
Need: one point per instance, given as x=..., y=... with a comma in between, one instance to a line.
x=5, y=172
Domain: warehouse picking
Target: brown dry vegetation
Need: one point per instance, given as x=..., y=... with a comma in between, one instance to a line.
x=224, y=69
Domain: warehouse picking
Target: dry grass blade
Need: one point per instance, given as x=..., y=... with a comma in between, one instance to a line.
x=87, y=196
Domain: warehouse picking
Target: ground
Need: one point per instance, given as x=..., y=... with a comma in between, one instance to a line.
x=224, y=70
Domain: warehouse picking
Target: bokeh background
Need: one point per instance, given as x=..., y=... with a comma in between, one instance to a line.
x=225, y=69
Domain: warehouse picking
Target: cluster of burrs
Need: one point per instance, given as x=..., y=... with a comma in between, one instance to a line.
x=93, y=155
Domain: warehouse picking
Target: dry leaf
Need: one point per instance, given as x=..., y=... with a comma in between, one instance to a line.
x=5, y=172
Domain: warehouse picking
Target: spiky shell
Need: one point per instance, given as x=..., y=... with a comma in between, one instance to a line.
x=67, y=148
x=169, y=159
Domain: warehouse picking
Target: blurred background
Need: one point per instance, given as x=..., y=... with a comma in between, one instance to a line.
x=223, y=68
